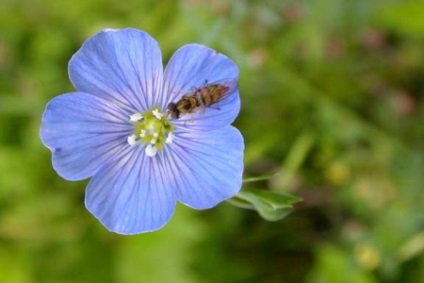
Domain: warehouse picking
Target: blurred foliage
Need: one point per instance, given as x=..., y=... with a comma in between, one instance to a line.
x=332, y=104
x=270, y=205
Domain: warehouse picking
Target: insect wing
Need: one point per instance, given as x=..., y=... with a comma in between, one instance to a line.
x=221, y=89
x=232, y=85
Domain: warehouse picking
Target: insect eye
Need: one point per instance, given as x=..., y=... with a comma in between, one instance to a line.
x=171, y=106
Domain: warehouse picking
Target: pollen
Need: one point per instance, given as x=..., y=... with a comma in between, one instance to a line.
x=132, y=140
x=151, y=129
x=157, y=114
x=136, y=117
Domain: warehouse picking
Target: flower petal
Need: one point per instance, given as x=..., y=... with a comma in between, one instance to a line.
x=83, y=132
x=123, y=66
x=133, y=194
x=207, y=166
x=193, y=66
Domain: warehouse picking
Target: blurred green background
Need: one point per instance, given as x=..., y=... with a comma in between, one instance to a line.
x=332, y=104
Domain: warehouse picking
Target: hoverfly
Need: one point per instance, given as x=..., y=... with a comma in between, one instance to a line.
x=199, y=98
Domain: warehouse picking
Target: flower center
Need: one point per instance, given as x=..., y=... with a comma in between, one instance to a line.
x=152, y=128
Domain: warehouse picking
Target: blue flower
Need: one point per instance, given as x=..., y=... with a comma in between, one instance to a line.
x=116, y=129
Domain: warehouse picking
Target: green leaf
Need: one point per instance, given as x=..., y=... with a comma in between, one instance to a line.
x=258, y=178
x=272, y=206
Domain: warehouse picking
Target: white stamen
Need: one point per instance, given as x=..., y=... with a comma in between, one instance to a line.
x=132, y=140
x=157, y=114
x=153, y=141
x=155, y=134
x=136, y=117
x=170, y=138
x=151, y=150
x=142, y=133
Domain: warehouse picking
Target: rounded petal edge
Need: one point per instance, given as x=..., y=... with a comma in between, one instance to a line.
x=133, y=195
x=196, y=66
x=207, y=166
x=123, y=66
x=82, y=131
